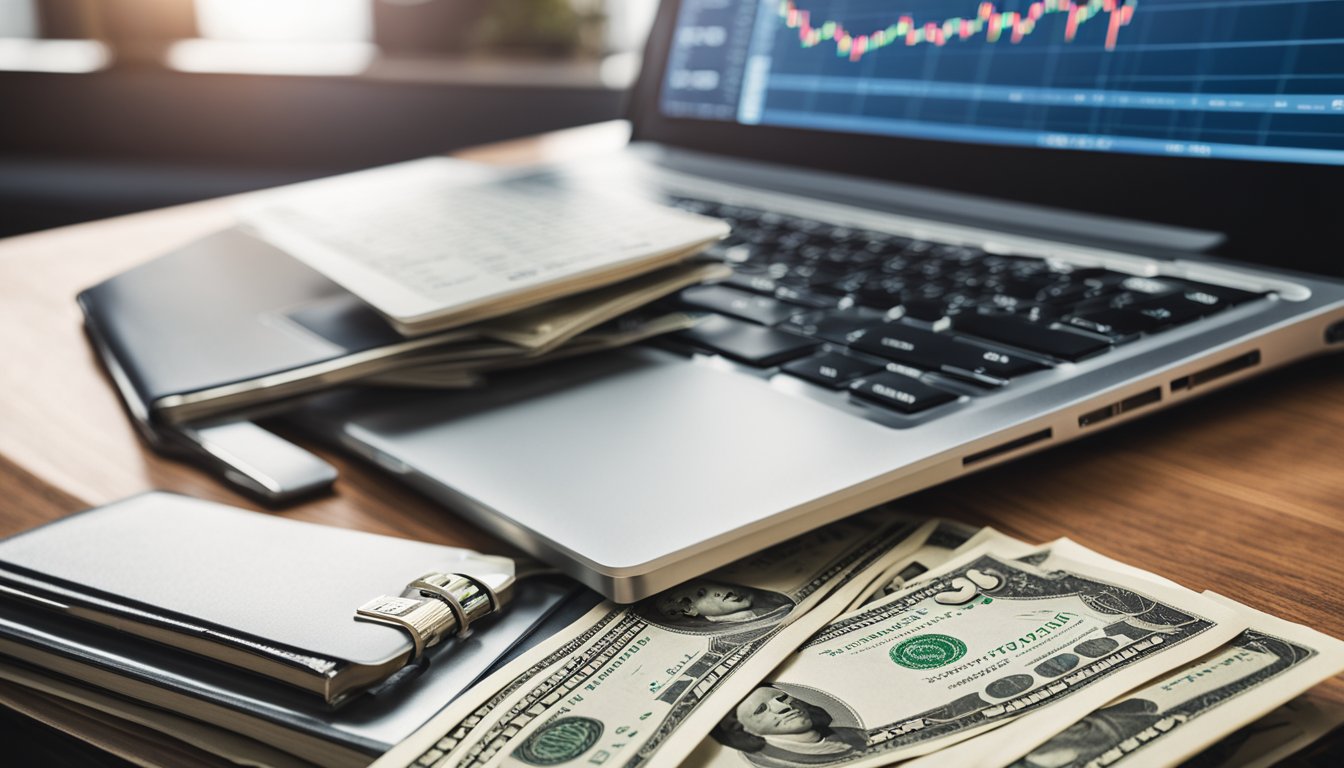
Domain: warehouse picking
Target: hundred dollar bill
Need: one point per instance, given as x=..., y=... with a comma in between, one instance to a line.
x=1024, y=646
x=949, y=539
x=1289, y=729
x=944, y=541
x=616, y=685
x=1176, y=716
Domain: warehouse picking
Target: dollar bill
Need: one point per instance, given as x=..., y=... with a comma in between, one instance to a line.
x=987, y=643
x=1286, y=731
x=463, y=373
x=544, y=327
x=619, y=684
x=948, y=539
x=1169, y=720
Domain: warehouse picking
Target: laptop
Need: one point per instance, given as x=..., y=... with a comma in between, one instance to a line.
x=962, y=233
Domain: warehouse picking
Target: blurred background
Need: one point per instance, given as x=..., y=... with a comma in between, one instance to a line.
x=113, y=106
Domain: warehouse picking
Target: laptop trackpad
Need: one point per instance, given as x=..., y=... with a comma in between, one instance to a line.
x=621, y=458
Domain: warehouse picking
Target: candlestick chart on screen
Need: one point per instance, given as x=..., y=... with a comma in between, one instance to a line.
x=989, y=22
x=1252, y=79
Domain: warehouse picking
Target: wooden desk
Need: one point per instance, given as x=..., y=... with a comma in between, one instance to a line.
x=1240, y=492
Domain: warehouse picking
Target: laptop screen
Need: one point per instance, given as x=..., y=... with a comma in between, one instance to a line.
x=1232, y=79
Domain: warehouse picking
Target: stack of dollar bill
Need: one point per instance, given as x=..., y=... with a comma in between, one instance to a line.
x=883, y=639
x=599, y=319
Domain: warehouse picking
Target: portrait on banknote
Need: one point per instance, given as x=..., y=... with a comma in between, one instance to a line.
x=1105, y=726
x=704, y=606
x=779, y=725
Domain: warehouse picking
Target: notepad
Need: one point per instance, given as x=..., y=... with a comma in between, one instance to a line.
x=430, y=252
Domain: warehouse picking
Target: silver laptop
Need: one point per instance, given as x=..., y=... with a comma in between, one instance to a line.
x=956, y=240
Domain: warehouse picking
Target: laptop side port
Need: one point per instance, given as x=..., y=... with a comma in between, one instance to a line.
x=1011, y=445
x=1133, y=402
x=1238, y=363
x=1335, y=333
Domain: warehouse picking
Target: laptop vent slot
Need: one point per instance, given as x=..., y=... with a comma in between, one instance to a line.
x=1133, y=402
x=1011, y=445
x=1239, y=363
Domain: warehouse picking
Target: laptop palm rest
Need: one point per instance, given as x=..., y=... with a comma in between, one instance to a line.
x=614, y=463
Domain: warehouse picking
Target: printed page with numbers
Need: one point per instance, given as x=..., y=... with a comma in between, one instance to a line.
x=432, y=248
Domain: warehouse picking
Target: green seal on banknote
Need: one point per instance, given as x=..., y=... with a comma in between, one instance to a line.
x=560, y=741
x=928, y=651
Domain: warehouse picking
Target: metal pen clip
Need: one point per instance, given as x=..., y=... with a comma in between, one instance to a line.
x=433, y=607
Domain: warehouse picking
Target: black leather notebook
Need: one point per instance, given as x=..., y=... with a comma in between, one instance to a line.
x=192, y=606
x=227, y=322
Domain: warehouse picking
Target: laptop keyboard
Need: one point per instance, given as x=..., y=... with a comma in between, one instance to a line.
x=872, y=312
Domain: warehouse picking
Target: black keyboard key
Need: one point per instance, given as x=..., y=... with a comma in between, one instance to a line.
x=1104, y=302
x=1065, y=293
x=902, y=344
x=832, y=369
x=1005, y=303
x=899, y=392
x=806, y=297
x=835, y=325
x=1025, y=288
x=761, y=237
x=1040, y=313
x=899, y=265
x=747, y=343
x=1118, y=300
x=927, y=310
x=756, y=282
x=986, y=366
x=809, y=274
x=1173, y=309
x=1010, y=329
x=740, y=304
x=813, y=252
x=841, y=234
x=1152, y=286
x=881, y=291
x=959, y=254
x=1115, y=323
x=790, y=240
x=883, y=245
x=1215, y=298
x=848, y=253
x=849, y=284
x=1097, y=276
x=940, y=352
x=743, y=254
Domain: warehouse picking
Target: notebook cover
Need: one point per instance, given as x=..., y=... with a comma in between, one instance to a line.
x=371, y=724
x=224, y=309
x=285, y=586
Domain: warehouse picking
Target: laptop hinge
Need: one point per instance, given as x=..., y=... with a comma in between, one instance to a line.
x=951, y=207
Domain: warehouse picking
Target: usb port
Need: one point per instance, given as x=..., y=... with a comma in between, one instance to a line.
x=1147, y=397
x=1008, y=447
x=1143, y=398
x=1218, y=371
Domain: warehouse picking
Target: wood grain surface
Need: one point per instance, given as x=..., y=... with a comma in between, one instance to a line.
x=1241, y=491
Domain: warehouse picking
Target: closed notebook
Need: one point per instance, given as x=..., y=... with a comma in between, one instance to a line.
x=46, y=651
x=231, y=324
x=272, y=596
